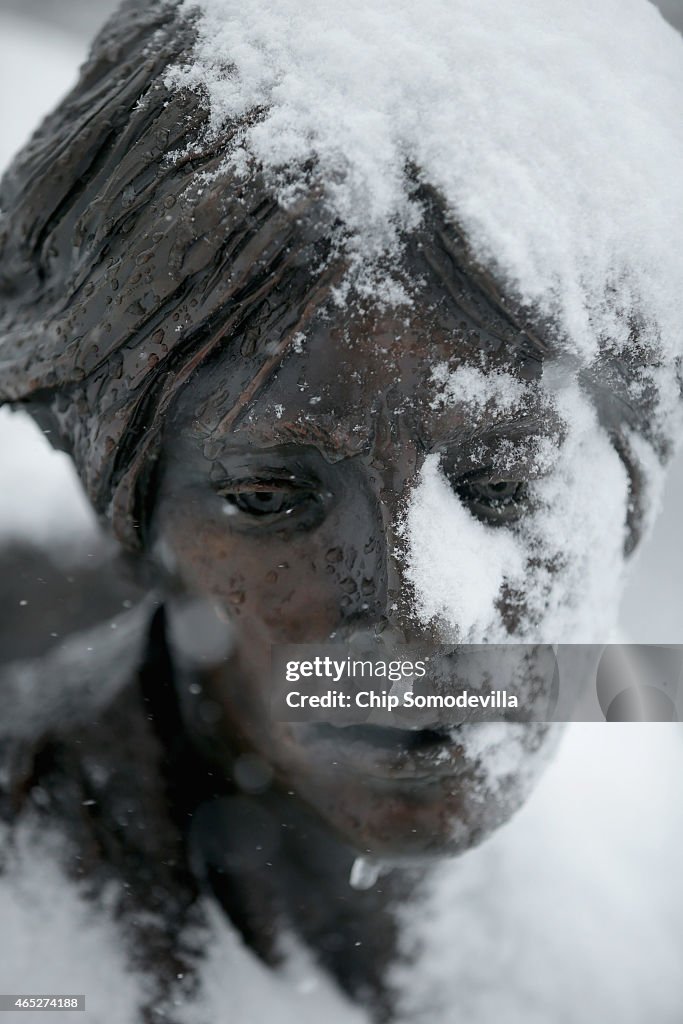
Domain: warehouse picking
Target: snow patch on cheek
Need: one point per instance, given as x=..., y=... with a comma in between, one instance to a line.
x=456, y=564
x=510, y=750
x=562, y=566
x=575, y=540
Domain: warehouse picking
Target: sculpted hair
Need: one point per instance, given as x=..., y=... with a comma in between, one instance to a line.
x=126, y=260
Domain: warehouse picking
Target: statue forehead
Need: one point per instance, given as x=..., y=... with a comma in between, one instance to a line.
x=361, y=360
x=343, y=373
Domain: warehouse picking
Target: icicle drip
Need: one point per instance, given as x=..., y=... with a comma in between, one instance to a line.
x=364, y=873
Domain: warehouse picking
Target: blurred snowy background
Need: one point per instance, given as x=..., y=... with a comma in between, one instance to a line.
x=41, y=45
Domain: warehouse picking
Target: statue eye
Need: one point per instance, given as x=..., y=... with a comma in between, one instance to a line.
x=494, y=501
x=267, y=502
x=273, y=502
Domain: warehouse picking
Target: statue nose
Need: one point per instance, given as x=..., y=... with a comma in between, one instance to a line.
x=381, y=634
x=390, y=623
x=399, y=622
x=382, y=611
x=389, y=618
x=385, y=634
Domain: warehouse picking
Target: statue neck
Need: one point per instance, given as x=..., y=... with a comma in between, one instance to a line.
x=275, y=870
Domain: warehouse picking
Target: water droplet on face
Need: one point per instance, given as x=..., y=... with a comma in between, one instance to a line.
x=236, y=597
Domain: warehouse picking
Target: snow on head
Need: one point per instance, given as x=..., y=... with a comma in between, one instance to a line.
x=553, y=131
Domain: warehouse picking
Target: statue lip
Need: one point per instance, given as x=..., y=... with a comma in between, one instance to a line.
x=391, y=737
x=417, y=755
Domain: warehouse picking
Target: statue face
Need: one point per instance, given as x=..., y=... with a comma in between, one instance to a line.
x=288, y=519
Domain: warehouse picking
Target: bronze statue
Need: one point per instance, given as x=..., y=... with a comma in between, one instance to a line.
x=154, y=309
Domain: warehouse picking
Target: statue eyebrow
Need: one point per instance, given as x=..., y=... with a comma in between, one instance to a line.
x=337, y=440
x=505, y=427
x=328, y=435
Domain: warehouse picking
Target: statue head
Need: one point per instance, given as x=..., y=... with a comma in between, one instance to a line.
x=410, y=453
